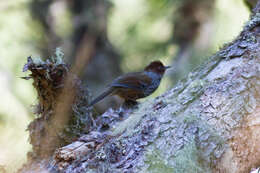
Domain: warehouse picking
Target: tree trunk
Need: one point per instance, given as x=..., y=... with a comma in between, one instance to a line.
x=208, y=122
x=192, y=34
x=88, y=20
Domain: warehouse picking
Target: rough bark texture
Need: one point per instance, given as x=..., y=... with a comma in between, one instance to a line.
x=209, y=122
x=62, y=113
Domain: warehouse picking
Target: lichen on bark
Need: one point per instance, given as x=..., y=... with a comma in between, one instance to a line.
x=60, y=119
x=208, y=122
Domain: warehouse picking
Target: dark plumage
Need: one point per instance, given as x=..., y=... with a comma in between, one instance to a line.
x=133, y=86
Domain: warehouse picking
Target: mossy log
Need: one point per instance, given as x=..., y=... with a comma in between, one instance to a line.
x=209, y=122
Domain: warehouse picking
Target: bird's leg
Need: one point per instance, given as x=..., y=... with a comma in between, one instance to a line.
x=130, y=104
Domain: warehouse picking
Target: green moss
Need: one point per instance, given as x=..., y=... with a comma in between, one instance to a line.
x=57, y=58
x=59, y=55
x=187, y=160
x=190, y=119
x=254, y=21
x=195, y=87
x=157, y=164
x=38, y=61
x=251, y=38
x=197, y=83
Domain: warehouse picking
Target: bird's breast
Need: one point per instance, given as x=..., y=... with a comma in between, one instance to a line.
x=155, y=82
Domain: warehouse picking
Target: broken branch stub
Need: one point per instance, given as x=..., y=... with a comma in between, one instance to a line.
x=61, y=112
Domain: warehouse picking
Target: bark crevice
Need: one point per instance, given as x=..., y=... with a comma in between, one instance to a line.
x=206, y=121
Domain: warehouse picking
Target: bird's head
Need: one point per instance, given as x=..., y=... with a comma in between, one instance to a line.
x=156, y=67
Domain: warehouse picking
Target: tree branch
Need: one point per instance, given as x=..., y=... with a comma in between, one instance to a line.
x=208, y=122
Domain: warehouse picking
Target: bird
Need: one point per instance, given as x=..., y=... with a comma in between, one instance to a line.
x=135, y=85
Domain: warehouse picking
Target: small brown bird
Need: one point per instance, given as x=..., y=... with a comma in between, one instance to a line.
x=133, y=86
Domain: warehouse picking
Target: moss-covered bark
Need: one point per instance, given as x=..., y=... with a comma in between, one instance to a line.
x=208, y=122
x=62, y=115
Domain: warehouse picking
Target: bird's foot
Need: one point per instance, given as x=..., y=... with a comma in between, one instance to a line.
x=130, y=104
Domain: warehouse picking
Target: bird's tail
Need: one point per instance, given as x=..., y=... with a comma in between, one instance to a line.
x=101, y=96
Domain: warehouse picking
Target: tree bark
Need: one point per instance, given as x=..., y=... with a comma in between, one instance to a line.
x=208, y=122
x=90, y=19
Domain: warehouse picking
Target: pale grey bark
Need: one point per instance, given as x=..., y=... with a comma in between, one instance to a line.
x=209, y=122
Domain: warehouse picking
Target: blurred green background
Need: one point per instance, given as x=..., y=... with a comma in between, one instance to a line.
x=129, y=34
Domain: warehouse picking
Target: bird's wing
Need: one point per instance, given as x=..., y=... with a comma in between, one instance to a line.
x=137, y=80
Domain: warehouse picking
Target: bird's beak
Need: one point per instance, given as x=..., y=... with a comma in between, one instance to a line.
x=166, y=67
